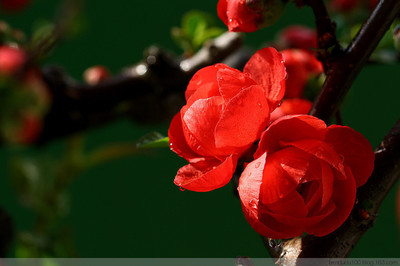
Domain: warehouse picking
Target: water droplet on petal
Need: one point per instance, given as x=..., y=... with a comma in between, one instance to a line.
x=181, y=189
x=257, y=164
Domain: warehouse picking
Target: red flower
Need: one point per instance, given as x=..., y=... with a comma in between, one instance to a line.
x=298, y=36
x=249, y=15
x=304, y=177
x=293, y=106
x=11, y=60
x=238, y=16
x=225, y=113
x=300, y=66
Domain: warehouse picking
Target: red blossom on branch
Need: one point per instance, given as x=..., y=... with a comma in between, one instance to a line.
x=304, y=177
x=249, y=15
x=11, y=60
x=297, y=36
x=225, y=113
x=300, y=66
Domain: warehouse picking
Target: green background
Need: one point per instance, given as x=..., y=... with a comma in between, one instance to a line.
x=130, y=207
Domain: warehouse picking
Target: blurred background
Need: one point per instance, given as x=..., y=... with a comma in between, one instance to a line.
x=130, y=207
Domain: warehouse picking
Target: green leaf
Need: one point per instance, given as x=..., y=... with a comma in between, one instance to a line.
x=194, y=19
x=153, y=140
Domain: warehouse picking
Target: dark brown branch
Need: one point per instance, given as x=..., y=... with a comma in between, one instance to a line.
x=327, y=42
x=340, y=243
x=344, y=68
x=149, y=91
x=342, y=71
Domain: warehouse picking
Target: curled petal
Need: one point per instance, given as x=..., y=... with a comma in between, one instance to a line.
x=177, y=140
x=203, y=84
x=283, y=172
x=243, y=119
x=249, y=192
x=199, y=129
x=232, y=81
x=291, y=107
x=283, y=129
x=238, y=16
x=343, y=197
x=206, y=175
x=320, y=150
x=266, y=67
x=355, y=149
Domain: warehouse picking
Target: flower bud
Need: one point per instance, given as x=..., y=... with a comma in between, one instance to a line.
x=249, y=15
x=96, y=74
x=11, y=60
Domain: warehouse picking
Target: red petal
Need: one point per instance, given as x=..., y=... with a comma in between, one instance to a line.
x=290, y=128
x=267, y=69
x=237, y=16
x=327, y=183
x=320, y=150
x=249, y=191
x=232, y=81
x=222, y=7
x=300, y=67
x=207, y=175
x=355, y=149
x=199, y=123
x=344, y=195
x=291, y=107
x=283, y=171
x=312, y=194
x=203, y=84
x=288, y=220
x=243, y=119
x=177, y=140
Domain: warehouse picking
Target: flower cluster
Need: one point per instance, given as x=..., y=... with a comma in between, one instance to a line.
x=304, y=174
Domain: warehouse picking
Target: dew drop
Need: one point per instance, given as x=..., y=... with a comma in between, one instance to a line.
x=257, y=164
x=181, y=189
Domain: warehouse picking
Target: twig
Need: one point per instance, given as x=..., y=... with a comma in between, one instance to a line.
x=328, y=45
x=345, y=68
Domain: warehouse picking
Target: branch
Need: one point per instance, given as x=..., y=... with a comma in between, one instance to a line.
x=327, y=42
x=152, y=90
x=345, y=67
x=370, y=196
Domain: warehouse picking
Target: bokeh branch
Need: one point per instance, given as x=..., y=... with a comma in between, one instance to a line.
x=152, y=90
